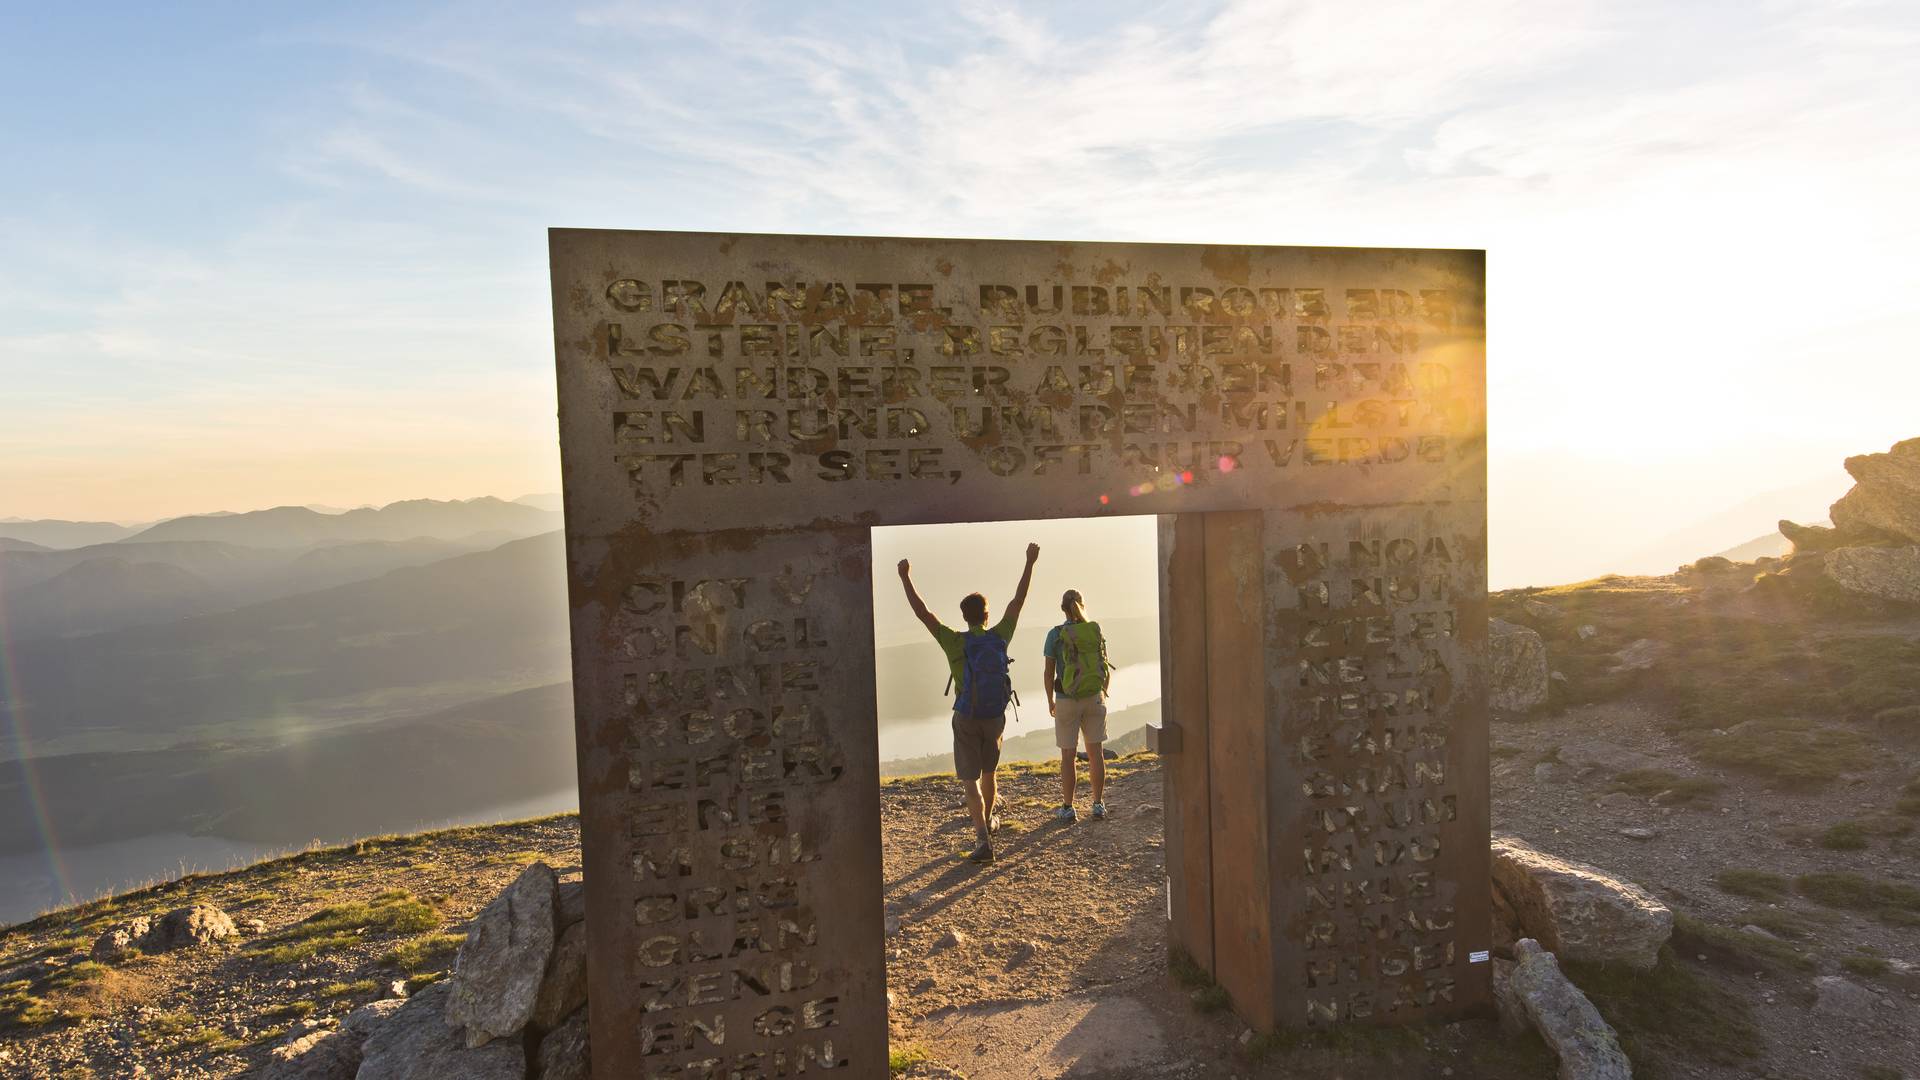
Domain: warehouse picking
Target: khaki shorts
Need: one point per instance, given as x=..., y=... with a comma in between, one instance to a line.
x=1074, y=717
x=976, y=745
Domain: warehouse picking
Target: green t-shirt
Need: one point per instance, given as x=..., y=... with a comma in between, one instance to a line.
x=953, y=643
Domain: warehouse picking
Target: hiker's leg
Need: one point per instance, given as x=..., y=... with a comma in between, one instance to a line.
x=990, y=733
x=967, y=767
x=973, y=803
x=1096, y=729
x=1066, y=736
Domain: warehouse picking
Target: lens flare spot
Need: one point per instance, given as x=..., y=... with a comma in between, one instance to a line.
x=1227, y=463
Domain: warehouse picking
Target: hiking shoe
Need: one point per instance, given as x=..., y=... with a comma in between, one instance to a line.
x=1066, y=813
x=983, y=853
x=1099, y=809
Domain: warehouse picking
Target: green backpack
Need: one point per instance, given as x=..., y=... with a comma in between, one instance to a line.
x=1083, y=659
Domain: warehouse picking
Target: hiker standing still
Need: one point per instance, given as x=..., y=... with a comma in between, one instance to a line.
x=1077, y=675
x=977, y=660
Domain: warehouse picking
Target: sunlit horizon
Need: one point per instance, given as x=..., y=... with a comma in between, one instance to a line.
x=257, y=259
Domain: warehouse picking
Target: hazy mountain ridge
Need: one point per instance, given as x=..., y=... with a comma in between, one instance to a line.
x=52, y=533
x=299, y=526
x=58, y=593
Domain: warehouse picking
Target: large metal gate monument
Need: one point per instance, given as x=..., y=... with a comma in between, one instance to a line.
x=736, y=411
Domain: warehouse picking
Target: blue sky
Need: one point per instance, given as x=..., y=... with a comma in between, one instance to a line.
x=254, y=254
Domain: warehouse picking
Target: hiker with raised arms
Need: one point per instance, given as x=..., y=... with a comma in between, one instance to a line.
x=978, y=662
x=1077, y=675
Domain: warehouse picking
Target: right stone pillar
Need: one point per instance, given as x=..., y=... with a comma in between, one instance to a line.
x=1325, y=745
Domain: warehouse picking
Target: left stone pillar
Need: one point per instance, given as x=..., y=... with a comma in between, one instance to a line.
x=729, y=802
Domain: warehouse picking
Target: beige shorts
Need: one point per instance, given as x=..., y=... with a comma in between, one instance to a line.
x=1074, y=717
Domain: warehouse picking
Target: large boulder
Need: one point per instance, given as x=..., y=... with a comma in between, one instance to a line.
x=328, y=1054
x=564, y=1054
x=180, y=928
x=1577, y=911
x=1519, y=661
x=502, y=964
x=417, y=1043
x=317, y=1055
x=1886, y=495
x=189, y=926
x=564, y=989
x=1587, y=1047
x=1885, y=573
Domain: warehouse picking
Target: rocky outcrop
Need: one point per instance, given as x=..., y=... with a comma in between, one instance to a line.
x=1518, y=676
x=1884, y=573
x=564, y=1053
x=189, y=926
x=122, y=939
x=177, y=929
x=498, y=973
x=1567, y=1022
x=1886, y=494
x=416, y=1043
x=1578, y=912
x=317, y=1055
x=329, y=1054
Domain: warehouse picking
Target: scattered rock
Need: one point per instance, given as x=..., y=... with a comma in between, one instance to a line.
x=1146, y=810
x=397, y=989
x=1604, y=757
x=1880, y=572
x=1587, y=631
x=189, y=926
x=1539, y=609
x=1834, y=995
x=951, y=939
x=1809, y=538
x=1765, y=933
x=254, y=927
x=1617, y=801
x=892, y=925
x=500, y=967
x=564, y=1054
x=1578, y=911
x=1546, y=772
x=418, y=1043
x=1886, y=495
x=1638, y=656
x=1518, y=662
x=1639, y=832
x=1569, y=1024
x=122, y=939
x=564, y=989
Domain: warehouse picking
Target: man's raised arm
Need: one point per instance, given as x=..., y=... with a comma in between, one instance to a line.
x=1026, y=579
x=918, y=605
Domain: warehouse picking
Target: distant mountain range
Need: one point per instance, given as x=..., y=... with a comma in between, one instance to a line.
x=299, y=526
x=211, y=562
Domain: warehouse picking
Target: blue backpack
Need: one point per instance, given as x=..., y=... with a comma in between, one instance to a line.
x=985, y=684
